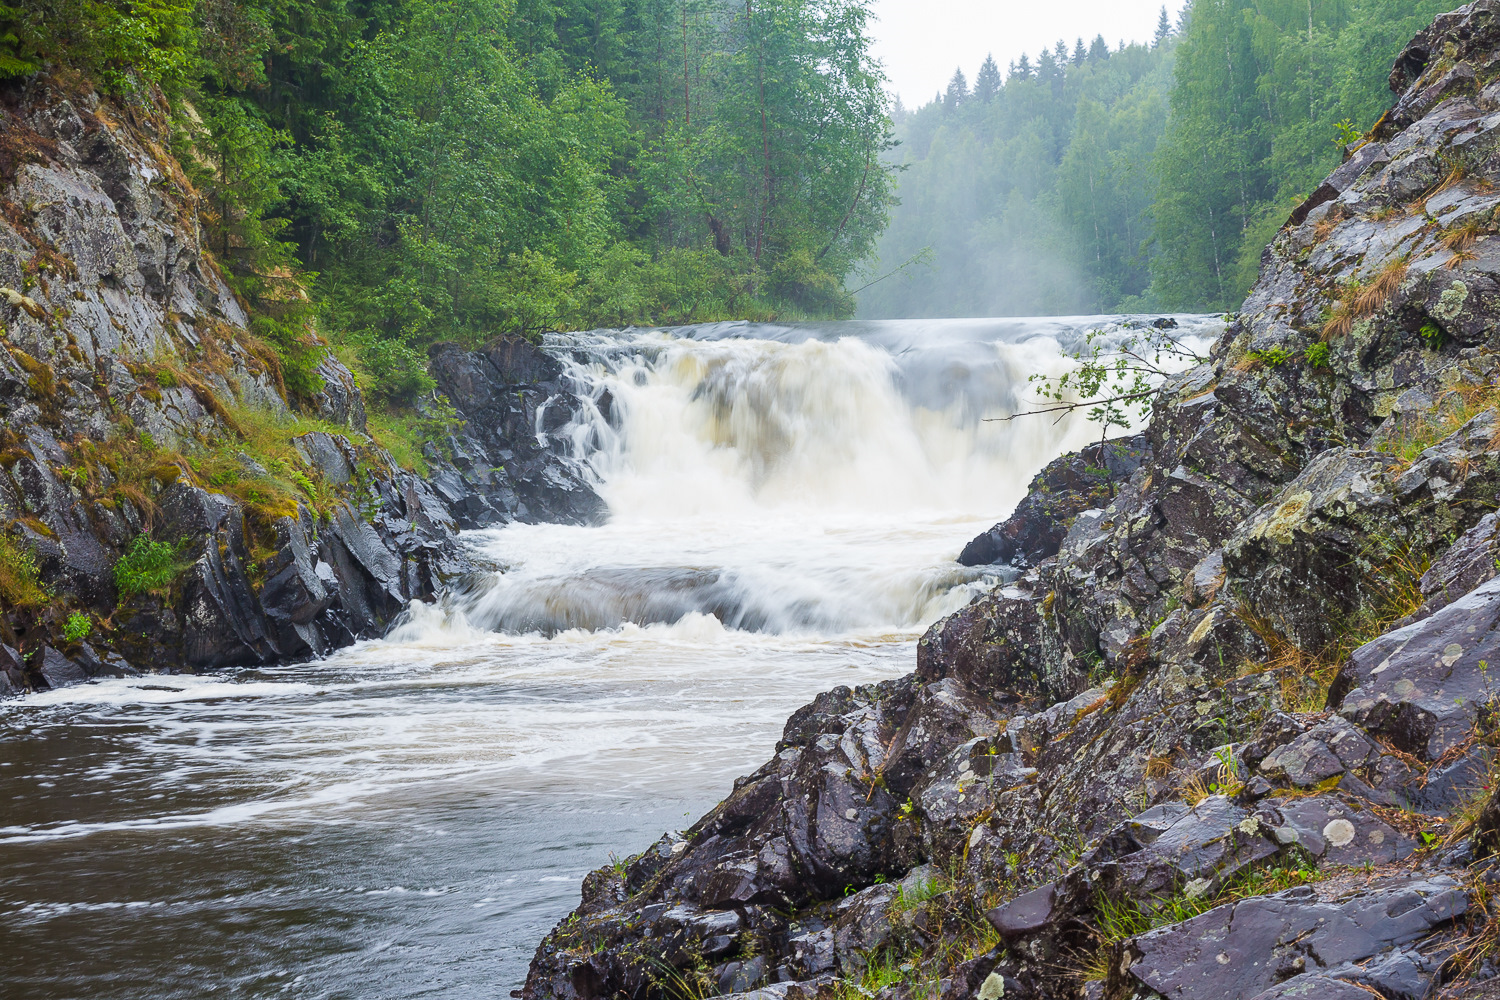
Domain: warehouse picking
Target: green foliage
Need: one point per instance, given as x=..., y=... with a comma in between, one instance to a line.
x=1112, y=379
x=1432, y=335
x=1317, y=354
x=125, y=45
x=147, y=567
x=467, y=169
x=78, y=627
x=1275, y=356
x=1346, y=134
x=20, y=578
x=1141, y=178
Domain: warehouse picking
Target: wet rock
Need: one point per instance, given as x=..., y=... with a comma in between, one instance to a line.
x=331, y=456
x=1241, y=949
x=1422, y=686
x=1067, y=486
x=57, y=670
x=510, y=397
x=1333, y=831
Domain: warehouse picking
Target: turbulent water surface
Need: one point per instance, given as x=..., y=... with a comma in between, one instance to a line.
x=410, y=816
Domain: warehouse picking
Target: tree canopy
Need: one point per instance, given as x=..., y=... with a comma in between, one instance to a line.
x=1143, y=177
x=463, y=169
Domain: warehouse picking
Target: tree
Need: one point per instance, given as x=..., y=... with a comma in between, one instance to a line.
x=987, y=82
x=1079, y=53
x=958, y=90
x=1099, y=50
x=1163, y=28
x=1023, y=67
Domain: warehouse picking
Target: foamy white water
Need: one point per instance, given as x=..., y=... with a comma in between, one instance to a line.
x=408, y=817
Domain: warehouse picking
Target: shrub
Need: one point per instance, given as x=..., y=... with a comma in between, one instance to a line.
x=20, y=583
x=148, y=567
x=78, y=627
x=1317, y=354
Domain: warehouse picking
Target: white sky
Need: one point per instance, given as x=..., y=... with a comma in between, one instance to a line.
x=921, y=42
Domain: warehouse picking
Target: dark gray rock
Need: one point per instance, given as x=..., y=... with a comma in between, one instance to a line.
x=57, y=670
x=1068, y=486
x=1244, y=948
x=1466, y=564
x=1325, y=525
x=1422, y=686
x=503, y=469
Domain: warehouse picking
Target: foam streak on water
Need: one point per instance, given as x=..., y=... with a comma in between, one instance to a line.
x=408, y=817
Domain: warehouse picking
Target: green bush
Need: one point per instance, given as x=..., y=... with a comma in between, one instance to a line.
x=1316, y=355
x=148, y=567
x=20, y=581
x=78, y=627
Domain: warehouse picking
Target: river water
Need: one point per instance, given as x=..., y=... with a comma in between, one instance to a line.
x=409, y=817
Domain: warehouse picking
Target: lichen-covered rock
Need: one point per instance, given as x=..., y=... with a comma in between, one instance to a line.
x=1423, y=686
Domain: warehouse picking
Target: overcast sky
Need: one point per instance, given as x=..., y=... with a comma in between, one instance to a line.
x=921, y=42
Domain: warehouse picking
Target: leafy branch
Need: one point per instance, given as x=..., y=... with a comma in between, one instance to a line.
x=1112, y=378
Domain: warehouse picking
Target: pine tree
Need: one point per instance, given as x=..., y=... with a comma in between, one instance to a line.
x=958, y=90
x=1023, y=67
x=1047, y=70
x=1079, y=53
x=1099, y=51
x=987, y=83
x=1163, y=28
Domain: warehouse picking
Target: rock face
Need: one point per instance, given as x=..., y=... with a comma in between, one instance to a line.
x=1067, y=487
x=1221, y=736
x=514, y=402
x=126, y=369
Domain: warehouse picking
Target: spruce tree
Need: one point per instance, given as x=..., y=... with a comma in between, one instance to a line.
x=958, y=90
x=1163, y=28
x=987, y=83
x=1099, y=51
x=1023, y=67
x=1079, y=53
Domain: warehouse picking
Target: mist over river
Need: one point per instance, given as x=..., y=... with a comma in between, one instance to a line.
x=408, y=817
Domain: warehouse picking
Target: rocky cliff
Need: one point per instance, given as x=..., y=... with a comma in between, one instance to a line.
x=1232, y=733
x=164, y=505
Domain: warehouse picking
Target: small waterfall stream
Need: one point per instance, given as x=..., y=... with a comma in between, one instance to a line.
x=408, y=817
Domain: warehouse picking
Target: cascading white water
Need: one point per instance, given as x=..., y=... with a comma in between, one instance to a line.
x=793, y=484
x=409, y=816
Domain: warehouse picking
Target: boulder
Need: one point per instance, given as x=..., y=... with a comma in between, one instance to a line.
x=1423, y=686
x=1068, y=486
x=1242, y=949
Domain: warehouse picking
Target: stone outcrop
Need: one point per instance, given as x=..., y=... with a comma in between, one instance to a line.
x=1080, y=481
x=1230, y=731
x=127, y=369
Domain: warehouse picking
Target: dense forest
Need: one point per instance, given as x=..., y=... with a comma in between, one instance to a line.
x=462, y=169
x=1134, y=177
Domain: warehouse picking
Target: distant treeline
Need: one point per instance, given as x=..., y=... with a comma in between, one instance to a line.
x=1139, y=177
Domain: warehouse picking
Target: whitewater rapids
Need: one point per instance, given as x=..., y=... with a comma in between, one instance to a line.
x=408, y=817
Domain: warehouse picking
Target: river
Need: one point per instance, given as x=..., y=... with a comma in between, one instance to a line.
x=408, y=817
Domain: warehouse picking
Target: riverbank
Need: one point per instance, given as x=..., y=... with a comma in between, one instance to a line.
x=1234, y=737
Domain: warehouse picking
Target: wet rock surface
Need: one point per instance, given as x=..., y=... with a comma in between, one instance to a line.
x=1229, y=733
x=124, y=359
